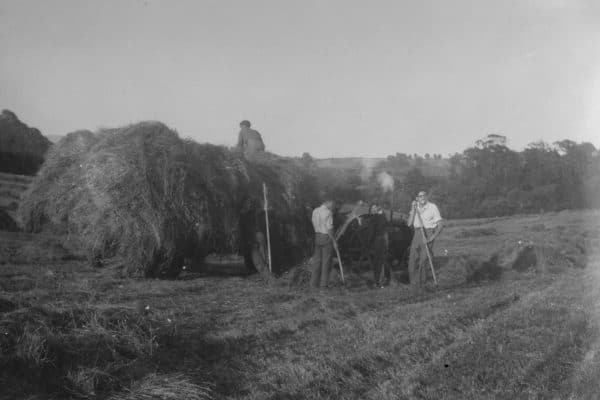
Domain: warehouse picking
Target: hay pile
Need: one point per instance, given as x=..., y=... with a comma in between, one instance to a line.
x=298, y=277
x=542, y=257
x=475, y=269
x=552, y=256
x=144, y=195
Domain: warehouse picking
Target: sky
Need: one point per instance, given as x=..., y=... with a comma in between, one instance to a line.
x=331, y=78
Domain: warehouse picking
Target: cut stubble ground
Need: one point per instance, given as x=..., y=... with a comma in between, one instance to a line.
x=528, y=335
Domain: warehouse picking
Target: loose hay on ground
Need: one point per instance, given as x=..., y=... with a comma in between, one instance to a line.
x=541, y=258
x=76, y=350
x=166, y=387
x=471, y=270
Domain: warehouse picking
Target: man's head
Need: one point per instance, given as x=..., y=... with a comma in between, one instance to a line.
x=329, y=204
x=375, y=209
x=422, y=198
x=245, y=123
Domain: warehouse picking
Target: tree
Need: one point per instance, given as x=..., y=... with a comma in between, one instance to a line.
x=541, y=165
x=491, y=141
x=308, y=162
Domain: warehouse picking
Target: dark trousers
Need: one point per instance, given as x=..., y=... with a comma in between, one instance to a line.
x=321, y=260
x=381, y=272
x=418, y=264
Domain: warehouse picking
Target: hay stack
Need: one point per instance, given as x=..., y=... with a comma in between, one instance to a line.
x=143, y=194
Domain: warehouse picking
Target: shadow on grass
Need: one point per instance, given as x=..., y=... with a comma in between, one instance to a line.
x=228, y=358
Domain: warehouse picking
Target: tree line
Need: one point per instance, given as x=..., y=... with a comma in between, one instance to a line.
x=485, y=180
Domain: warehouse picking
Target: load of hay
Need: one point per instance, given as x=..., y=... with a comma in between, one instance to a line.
x=144, y=195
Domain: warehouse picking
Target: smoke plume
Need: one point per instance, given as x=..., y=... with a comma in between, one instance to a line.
x=385, y=181
x=368, y=164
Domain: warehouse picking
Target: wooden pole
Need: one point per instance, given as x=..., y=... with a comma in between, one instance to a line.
x=426, y=245
x=339, y=233
x=267, y=226
x=392, y=206
x=339, y=257
x=350, y=218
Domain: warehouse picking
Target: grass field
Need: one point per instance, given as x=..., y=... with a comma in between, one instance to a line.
x=67, y=330
x=11, y=188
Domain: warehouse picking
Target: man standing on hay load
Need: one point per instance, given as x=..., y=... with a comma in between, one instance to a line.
x=249, y=141
x=322, y=220
x=426, y=219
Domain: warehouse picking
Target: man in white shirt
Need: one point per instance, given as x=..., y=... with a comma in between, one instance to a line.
x=426, y=215
x=322, y=220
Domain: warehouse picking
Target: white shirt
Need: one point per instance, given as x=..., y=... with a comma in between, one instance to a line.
x=430, y=216
x=322, y=219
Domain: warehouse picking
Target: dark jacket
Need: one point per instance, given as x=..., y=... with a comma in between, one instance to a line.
x=250, y=141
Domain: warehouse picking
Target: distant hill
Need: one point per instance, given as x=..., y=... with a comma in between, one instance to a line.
x=22, y=148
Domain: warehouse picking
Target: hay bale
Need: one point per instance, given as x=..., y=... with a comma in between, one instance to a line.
x=143, y=194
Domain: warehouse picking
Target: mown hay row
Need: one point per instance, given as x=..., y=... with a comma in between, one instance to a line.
x=166, y=387
x=79, y=350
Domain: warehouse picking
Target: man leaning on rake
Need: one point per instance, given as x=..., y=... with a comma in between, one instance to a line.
x=426, y=219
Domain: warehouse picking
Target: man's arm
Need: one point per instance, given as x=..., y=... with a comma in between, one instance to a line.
x=439, y=224
x=329, y=225
x=411, y=216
